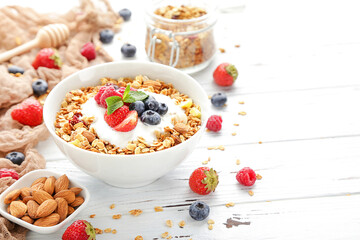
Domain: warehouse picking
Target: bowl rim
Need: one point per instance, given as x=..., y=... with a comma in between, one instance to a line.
x=204, y=112
x=43, y=230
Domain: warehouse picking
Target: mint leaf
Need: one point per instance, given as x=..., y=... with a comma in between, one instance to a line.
x=113, y=103
x=126, y=92
x=134, y=96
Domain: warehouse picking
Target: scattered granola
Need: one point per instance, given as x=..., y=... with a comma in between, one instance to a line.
x=139, y=237
x=112, y=206
x=236, y=124
x=158, y=209
x=251, y=193
x=222, y=50
x=211, y=227
x=18, y=41
x=107, y=230
x=164, y=235
x=221, y=147
x=237, y=45
x=136, y=212
x=237, y=161
x=81, y=134
x=92, y=215
x=241, y=102
x=98, y=231
x=260, y=142
x=258, y=177
x=233, y=134
x=242, y=113
x=117, y=216
x=182, y=223
x=210, y=221
x=169, y=223
x=114, y=231
x=205, y=162
x=230, y=204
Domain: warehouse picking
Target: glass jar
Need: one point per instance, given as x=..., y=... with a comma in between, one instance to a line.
x=186, y=44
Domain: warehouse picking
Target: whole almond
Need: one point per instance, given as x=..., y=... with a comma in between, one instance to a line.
x=39, y=180
x=49, y=185
x=70, y=210
x=27, y=219
x=28, y=198
x=32, y=207
x=25, y=192
x=78, y=201
x=18, y=209
x=11, y=196
x=68, y=195
x=46, y=208
x=38, y=186
x=40, y=196
x=62, y=183
x=89, y=135
x=181, y=128
x=62, y=208
x=48, y=221
x=76, y=190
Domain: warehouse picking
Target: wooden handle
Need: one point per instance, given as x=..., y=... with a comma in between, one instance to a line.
x=18, y=50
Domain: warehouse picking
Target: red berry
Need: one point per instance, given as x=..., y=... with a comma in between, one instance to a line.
x=47, y=57
x=74, y=120
x=116, y=117
x=100, y=93
x=4, y=172
x=28, y=112
x=214, y=123
x=246, y=176
x=203, y=180
x=88, y=51
x=109, y=92
x=225, y=74
x=79, y=230
x=129, y=122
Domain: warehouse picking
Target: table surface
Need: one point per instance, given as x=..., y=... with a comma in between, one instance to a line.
x=299, y=80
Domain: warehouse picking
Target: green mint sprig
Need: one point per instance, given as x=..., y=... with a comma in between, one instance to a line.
x=116, y=102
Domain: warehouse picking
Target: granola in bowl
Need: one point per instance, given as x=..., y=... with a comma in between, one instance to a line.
x=82, y=121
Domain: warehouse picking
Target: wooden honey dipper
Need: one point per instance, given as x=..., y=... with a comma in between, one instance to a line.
x=52, y=35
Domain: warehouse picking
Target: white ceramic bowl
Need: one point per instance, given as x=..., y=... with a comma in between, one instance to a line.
x=25, y=181
x=126, y=171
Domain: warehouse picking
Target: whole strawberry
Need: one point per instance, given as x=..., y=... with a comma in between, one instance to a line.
x=29, y=112
x=88, y=51
x=203, y=180
x=79, y=230
x=116, y=117
x=225, y=74
x=4, y=172
x=47, y=57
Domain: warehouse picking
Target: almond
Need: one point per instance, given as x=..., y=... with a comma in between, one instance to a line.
x=181, y=128
x=18, y=209
x=70, y=210
x=40, y=196
x=76, y=190
x=68, y=195
x=39, y=180
x=78, y=201
x=49, y=185
x=38, y=186
x=89, y=135
x=62, y=183
x=46, y=208
x=62, y=208
x=48, y=221
x=27, y=219
x=11, y=196
x=32, y=207
x=28, y=198
x=25, y=192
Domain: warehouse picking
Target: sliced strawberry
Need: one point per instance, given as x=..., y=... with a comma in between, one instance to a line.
x=129, y=122
x=116, y=117
x=108, y=93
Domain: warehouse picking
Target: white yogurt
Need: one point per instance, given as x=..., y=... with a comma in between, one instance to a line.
x=121, y=139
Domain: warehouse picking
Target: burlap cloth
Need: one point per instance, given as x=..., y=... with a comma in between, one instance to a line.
x=19, y=25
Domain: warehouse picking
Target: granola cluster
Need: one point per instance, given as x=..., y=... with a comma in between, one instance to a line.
x=81, y=134
x=194, y=48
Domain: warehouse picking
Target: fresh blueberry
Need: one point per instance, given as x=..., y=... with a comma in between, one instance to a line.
x=15, y=157
x=39, y=87
x=138, y=106
x=15, y=69
x=128, y=50
x=150, y=117
x=151, y=104
x=218, y=99
x=125, y=14
x=162, y=110
x=106, y=36
x=199, y=210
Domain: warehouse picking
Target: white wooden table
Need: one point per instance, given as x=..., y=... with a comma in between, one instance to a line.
x=300, y=80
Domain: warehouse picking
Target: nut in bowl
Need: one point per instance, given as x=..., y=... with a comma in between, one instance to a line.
x=43, y=201
x=120, y=162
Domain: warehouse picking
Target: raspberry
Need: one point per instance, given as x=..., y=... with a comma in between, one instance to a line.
x=100, y=93
x=4, y=172
x=246, y=176
x=88, y=51
x=214, y=123
x=108, y=93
